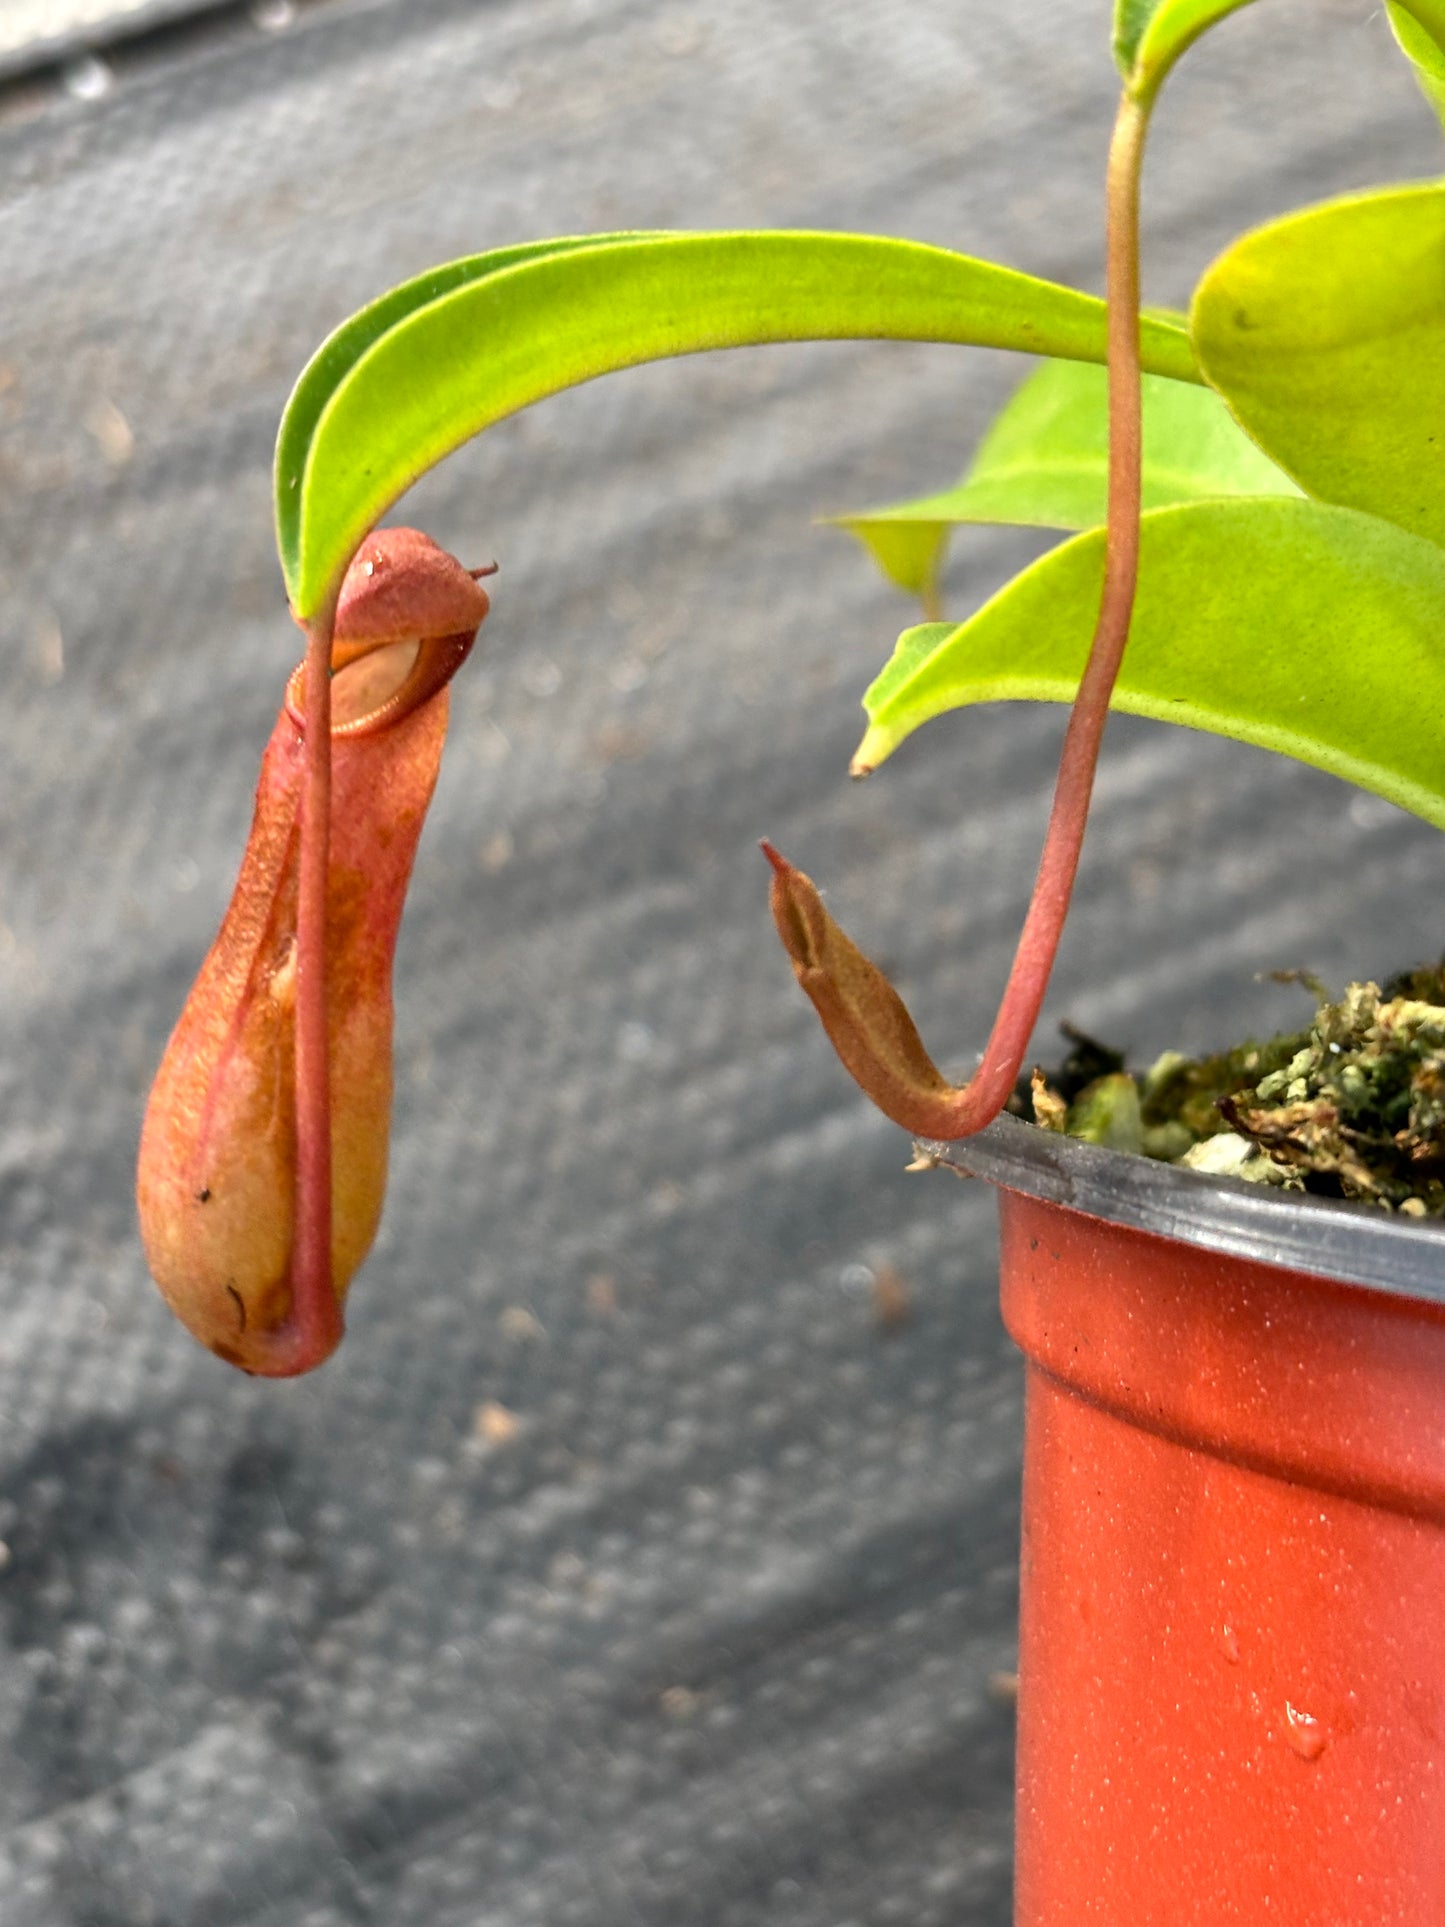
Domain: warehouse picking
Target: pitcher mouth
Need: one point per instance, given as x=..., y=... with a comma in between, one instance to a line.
x=378, y=685
x=1357, y=1244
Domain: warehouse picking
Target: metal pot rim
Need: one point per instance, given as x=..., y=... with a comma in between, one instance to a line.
x=1353, y=1243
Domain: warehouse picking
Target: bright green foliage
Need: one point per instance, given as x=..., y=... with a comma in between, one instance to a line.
x=1150, y=35
x=1131, y=17
x=1045, y=463
x=334, y=360
x=1304, y=626
x=1425, y=52
x=1325, y=332
x=1301, y=627
x=434, y=362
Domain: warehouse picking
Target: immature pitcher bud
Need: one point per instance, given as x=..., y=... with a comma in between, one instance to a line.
x=216, y=1186
x=866, y=1020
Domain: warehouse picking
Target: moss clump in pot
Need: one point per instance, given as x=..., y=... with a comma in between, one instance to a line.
x=1352, y=1107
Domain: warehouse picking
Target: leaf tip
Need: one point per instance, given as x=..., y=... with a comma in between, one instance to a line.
x=876, y=747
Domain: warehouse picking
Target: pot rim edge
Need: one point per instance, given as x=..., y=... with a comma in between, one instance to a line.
x=1323, y=1237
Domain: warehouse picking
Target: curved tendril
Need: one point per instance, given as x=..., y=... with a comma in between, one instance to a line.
x=312, y=1328
x=863, y=1015
x=315, y=1323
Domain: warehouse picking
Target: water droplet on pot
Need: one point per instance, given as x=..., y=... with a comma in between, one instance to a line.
x=1304, y=1732
x=1229, y=1640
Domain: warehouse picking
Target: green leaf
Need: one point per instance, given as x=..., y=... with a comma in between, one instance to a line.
x=1045, y=463
x=344, y=347
x=1325, y=333
x=417, y=374
x=1424, y=50
x=1304, y=628
x=1150, y=35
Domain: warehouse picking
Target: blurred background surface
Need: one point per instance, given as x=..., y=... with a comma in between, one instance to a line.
x=648, y=1553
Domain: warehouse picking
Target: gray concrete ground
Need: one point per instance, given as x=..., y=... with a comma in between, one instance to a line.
x=709, y=1638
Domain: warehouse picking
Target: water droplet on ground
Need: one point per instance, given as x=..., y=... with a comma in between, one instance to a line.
x=541, y=677
x=89, y=78
x=634, y=1042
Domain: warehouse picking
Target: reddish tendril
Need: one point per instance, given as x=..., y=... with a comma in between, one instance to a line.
x=863, y=1015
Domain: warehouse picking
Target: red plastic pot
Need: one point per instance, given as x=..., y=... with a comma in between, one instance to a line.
x=1232, y=1622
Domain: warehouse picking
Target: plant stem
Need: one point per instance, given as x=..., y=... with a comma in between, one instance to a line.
x=988, y=1090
